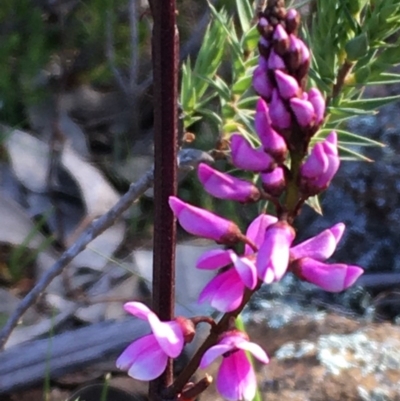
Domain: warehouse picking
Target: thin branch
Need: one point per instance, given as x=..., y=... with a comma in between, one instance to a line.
x=93, y=231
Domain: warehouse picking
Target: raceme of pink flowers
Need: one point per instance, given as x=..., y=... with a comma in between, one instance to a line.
x=286, y=164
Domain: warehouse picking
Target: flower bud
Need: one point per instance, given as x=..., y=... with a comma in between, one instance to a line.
x=272, y=142
x=294, y=53
x=292, y=21
x=225, y=186
x=304, y=112
x=261, y=82
x=205, y=224
x=287, y=85
x=318, y=101
x=187, y=327
x=280, y=117
x=274, y=183
x=321, y=165
x=244, y=156
x=264, y=47
x=281, y=40
x=333, y=278
x=275, y=62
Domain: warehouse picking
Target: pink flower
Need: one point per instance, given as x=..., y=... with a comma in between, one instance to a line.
x=321, y=165
x=245, y=157
x=333, y=278
x=225, y=291
x=225, y=186
x=307, y=258
x=271, y=140
x=146, y=358
x=203, y=223
x=236, y=379
x=273, y=256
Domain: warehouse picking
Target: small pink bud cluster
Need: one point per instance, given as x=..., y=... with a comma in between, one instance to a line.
x=281, y=76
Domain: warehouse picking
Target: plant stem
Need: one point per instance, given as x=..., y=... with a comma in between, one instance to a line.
x=165, y=51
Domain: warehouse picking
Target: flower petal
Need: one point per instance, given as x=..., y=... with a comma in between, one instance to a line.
x=213, y=353
x=225, y=291
x=245, y=157
x=168, y=335
x=320, y=247
x=203, y=223
x=274, y=252
x=139, y=310
x=226, y=186
x=236, y=379
x=255, y=349
x=256, y=230
x=333, y=278
x=246, y=269
x=214, y=259
x=143, y=359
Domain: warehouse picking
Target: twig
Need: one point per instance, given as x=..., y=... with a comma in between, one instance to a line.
x=344, y=71
x=93, y=231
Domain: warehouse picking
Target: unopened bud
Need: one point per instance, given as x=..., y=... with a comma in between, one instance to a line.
x=281, y=40
x=280, y=116
x=318, y=101
x=244, y=156
x=304, y=112
x=274, y=183
x=261, y=82
x=292, y=21
x=287, y=85
x=188, y=328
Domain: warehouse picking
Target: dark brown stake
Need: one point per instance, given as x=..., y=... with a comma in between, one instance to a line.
x=165, y=50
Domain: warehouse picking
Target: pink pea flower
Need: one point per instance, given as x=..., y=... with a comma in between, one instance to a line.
x=333, y=278
x=321, y=165
x=273, y=255
x=271, y=140
x=225, y=186
x=225, y=291
x=245, y=157
x=236, y=379
x=146, y=358
x=203, y=223
x=307, y=261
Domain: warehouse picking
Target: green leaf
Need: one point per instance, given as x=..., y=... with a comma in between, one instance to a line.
x=351, y=155
x=245, y=12
x=313, y=202
x=348, y=138
x=369, y=104
x=220, y=86
x=242, y=84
